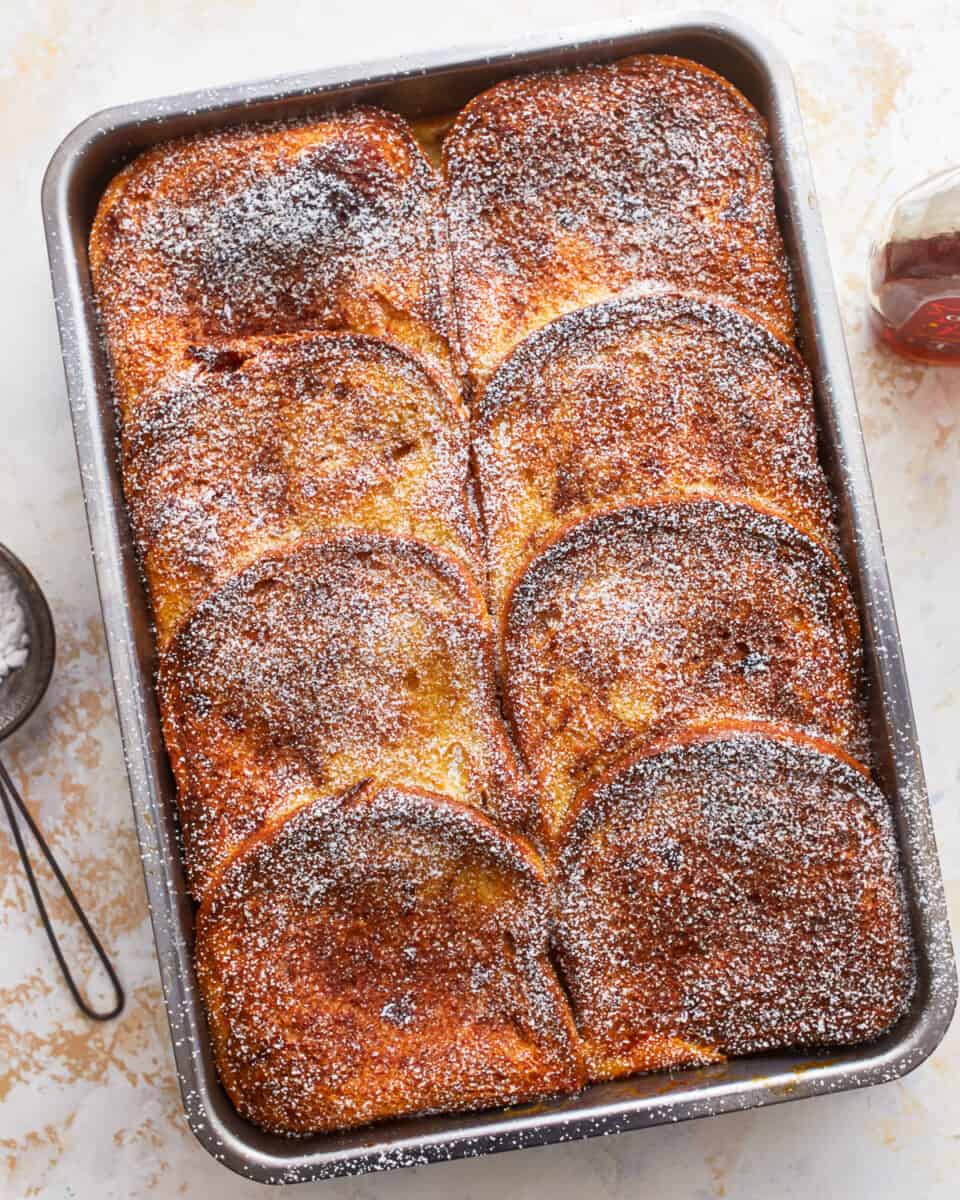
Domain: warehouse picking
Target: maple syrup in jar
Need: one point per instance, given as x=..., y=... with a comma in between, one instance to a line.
x=915, y=273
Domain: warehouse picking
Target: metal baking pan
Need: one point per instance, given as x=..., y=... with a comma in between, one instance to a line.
x=422, y=86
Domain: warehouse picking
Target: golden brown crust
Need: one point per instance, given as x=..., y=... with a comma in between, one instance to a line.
x=568, y=188
x=657, y=617
x=732, y=893
x=264, y=230
x=284, y=440
x=382, y=955
x=346, y=658
x=632, y=398
x=681, y=659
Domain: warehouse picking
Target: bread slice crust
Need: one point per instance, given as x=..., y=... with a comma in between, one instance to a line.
x=633, y=398
x=348, y=657
x=261, y=230
x=381, y=956
x=733, y=892
x=570, y=187
x=674, y=614
x=289, y=438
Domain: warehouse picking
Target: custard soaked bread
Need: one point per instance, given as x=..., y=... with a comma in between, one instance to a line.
x=304, y=434
x=344, y=659
x=382, y=955
x=264, y=230
x=726, y=896
x=659, y=617
x=572, y=187
x=633, y=398
x=291, y=311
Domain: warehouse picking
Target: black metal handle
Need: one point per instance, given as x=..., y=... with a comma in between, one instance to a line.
x=11, y=797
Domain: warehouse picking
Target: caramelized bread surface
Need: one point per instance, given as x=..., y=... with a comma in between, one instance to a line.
x=379, y=956
x=633, y=398
x=657, y=617
x=727, y=896
x=571, y=187
x=262, y=230
x=302, y=435
x=290, y=312
x=348, y=658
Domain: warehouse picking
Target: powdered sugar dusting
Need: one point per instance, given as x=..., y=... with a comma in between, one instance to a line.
x=387, y=954
x=570, y=187
x=290, y=438
x=373, y=936
x=739, y=893
x=633, y=398
x=331, y=225
x=646, y=620
x=326, y=664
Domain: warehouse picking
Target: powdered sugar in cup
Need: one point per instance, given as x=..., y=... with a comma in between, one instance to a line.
x=14, y=638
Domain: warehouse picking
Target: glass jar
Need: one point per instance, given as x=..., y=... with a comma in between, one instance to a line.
x=914, y=283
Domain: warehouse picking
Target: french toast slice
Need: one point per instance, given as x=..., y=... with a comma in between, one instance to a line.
x=572, y=187
x=306, y=434
x=351, y=657
x=728, y=894
x=633, y=398
x=652, y=618
x=330, y=225
x=381, y=956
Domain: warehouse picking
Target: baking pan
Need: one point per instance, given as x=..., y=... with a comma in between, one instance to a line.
x=422, y=86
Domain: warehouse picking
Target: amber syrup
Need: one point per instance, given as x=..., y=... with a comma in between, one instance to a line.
x=915, y=301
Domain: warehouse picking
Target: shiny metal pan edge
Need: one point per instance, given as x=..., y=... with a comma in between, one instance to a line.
x=421, y=85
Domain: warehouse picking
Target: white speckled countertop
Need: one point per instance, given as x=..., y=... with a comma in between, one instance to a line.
x=94, y=1111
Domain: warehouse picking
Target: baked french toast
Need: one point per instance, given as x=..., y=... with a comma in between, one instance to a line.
x=655, y=618
x=572, y=187
x=347, y=658
x=634, y=398
x=383, y=955
x=305, y=434
x=293, y=313
x=328, y=225
x=726, y=895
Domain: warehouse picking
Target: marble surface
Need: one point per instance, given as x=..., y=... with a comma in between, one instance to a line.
x=90, y=1111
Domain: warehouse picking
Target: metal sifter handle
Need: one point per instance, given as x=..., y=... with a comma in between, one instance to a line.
x=11, y=797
